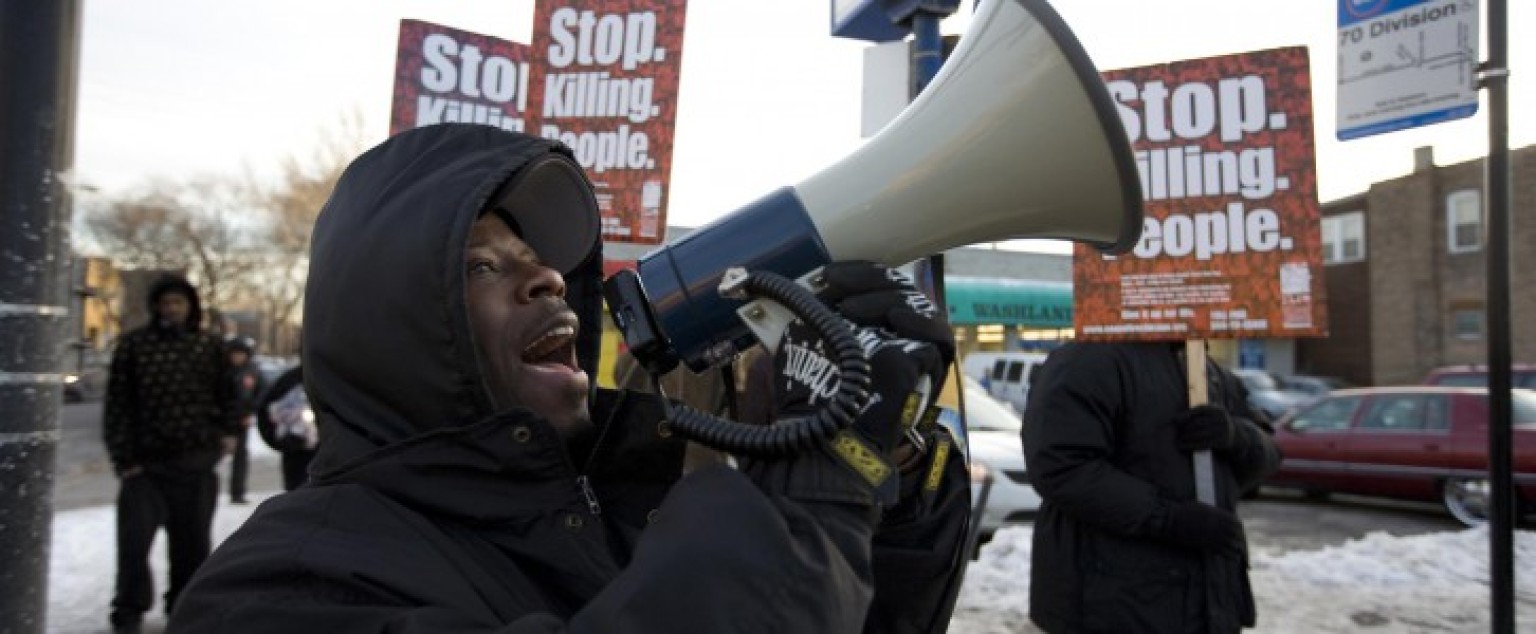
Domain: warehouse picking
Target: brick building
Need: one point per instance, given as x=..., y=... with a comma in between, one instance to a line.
x=1406, y=274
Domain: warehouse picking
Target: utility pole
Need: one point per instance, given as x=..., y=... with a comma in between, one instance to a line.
x=1501, y=517
x=39, y=49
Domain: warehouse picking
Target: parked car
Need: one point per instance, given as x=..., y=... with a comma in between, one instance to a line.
x=1314, y=386
x=1004, y=375
x=1415, y=443
x=996, y=449
x=1521, y=375
x=1265, y=392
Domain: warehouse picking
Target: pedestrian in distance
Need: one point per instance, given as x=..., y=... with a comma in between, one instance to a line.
x=1120, y=542
x=166, y=422
x=471, y=479
x=246, y=386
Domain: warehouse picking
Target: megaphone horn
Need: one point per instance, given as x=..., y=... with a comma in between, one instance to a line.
x=1016, y=137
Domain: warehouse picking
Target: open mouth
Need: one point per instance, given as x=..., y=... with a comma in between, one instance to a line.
x=556, y=347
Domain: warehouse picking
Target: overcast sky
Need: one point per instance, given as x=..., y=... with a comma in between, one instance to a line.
x=174, y=88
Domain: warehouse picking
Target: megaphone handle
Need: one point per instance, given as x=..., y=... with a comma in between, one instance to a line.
x=787, y=436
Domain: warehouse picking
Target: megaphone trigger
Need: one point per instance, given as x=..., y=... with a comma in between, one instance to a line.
x=767, y=319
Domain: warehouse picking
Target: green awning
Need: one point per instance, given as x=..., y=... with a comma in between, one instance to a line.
x=986, y=300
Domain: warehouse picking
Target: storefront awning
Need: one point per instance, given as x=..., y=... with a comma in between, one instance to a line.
x=985, y=300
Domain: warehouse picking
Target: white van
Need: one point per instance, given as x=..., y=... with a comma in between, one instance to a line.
x=1006, y=375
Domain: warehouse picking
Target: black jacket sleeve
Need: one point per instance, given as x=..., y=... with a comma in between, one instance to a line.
x=1069, y=435
x=1255, y=456
x=919, y=545
x=118, y=420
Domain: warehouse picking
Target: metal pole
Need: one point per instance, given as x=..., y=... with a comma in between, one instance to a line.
x=1495, y=77
x=927, y=49
x=38, y=58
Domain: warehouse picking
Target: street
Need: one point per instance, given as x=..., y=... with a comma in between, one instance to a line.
x=83, y=475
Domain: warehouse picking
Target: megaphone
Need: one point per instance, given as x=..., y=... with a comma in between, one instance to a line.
x=1016, y=137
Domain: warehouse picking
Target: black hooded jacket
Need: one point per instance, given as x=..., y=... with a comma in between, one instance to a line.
x=429, y=511
x=168, y=395
x=1100, y=444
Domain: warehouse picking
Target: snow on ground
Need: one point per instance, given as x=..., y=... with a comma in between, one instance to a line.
x=1380, y=583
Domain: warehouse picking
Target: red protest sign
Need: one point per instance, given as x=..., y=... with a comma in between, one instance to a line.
x=1230, y=243
x=607, y=85
x=447, y=75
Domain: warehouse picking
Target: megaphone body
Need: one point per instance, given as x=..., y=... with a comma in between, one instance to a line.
x=1016, y=137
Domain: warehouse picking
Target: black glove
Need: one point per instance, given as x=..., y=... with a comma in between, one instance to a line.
x=1200, y=527
x=1205, y=427
x=805, y=377
x=898, y=329
x=872, y=295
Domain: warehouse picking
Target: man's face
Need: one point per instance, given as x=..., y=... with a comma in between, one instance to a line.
x=238, y=358
x=173, y=307
x=524, y=332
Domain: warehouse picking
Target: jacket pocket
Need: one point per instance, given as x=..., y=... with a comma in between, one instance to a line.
x=1130, y=587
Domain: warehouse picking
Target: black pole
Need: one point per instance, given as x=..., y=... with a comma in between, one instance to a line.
x=1495, y=78
x=38, y=58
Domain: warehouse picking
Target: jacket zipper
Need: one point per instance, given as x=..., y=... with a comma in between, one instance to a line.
x=582, y=480
x=586, y=492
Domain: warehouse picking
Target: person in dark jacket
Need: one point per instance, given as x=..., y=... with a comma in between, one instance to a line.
x=166, y=424
x=246, y=386
x=286, y=423
x=469, y=479
x=1120, y=543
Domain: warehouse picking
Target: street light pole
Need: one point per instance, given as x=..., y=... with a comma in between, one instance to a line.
x=39, y=47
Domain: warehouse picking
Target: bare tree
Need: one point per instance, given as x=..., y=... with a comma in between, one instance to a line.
x=292, y=206
x=244, y=243
x=207, y=227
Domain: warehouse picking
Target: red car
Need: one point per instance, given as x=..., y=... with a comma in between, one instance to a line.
x=1414, y=442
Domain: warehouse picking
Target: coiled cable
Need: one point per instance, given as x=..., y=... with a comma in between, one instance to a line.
x=793, y=435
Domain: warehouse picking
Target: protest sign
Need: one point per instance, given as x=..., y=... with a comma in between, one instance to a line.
x=607, y=85
x=1230, y=244
x=447, y=75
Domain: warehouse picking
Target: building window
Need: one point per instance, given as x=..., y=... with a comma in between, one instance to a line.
x=1464, y=221
x=1344, y=238
x=1467, y=323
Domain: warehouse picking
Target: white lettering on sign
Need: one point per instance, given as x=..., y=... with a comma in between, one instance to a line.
x=453, y=68
x=601, y=151
x=586, y=39
x=1235, y=107
x=1205, y=234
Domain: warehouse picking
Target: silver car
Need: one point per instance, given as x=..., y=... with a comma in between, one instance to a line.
x=997, y=454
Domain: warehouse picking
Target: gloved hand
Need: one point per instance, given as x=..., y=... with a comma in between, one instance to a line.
x=1200, y=527
x=1205, y=427
x=869, y=294
x=905, y=341
x=901, y=334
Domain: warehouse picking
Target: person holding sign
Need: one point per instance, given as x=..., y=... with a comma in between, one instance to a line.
x=1121, y=544
x=470, y=479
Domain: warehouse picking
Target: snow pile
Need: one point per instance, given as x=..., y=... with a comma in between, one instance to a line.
x=1381, y=583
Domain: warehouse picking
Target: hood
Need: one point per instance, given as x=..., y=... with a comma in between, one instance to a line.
x=169, y=283
x=388, y=352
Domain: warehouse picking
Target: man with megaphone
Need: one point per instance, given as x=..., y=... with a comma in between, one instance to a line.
x=470, y=478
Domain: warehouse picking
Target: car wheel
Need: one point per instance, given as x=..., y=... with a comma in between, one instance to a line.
x=1466, y=499
x=1315, y=495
